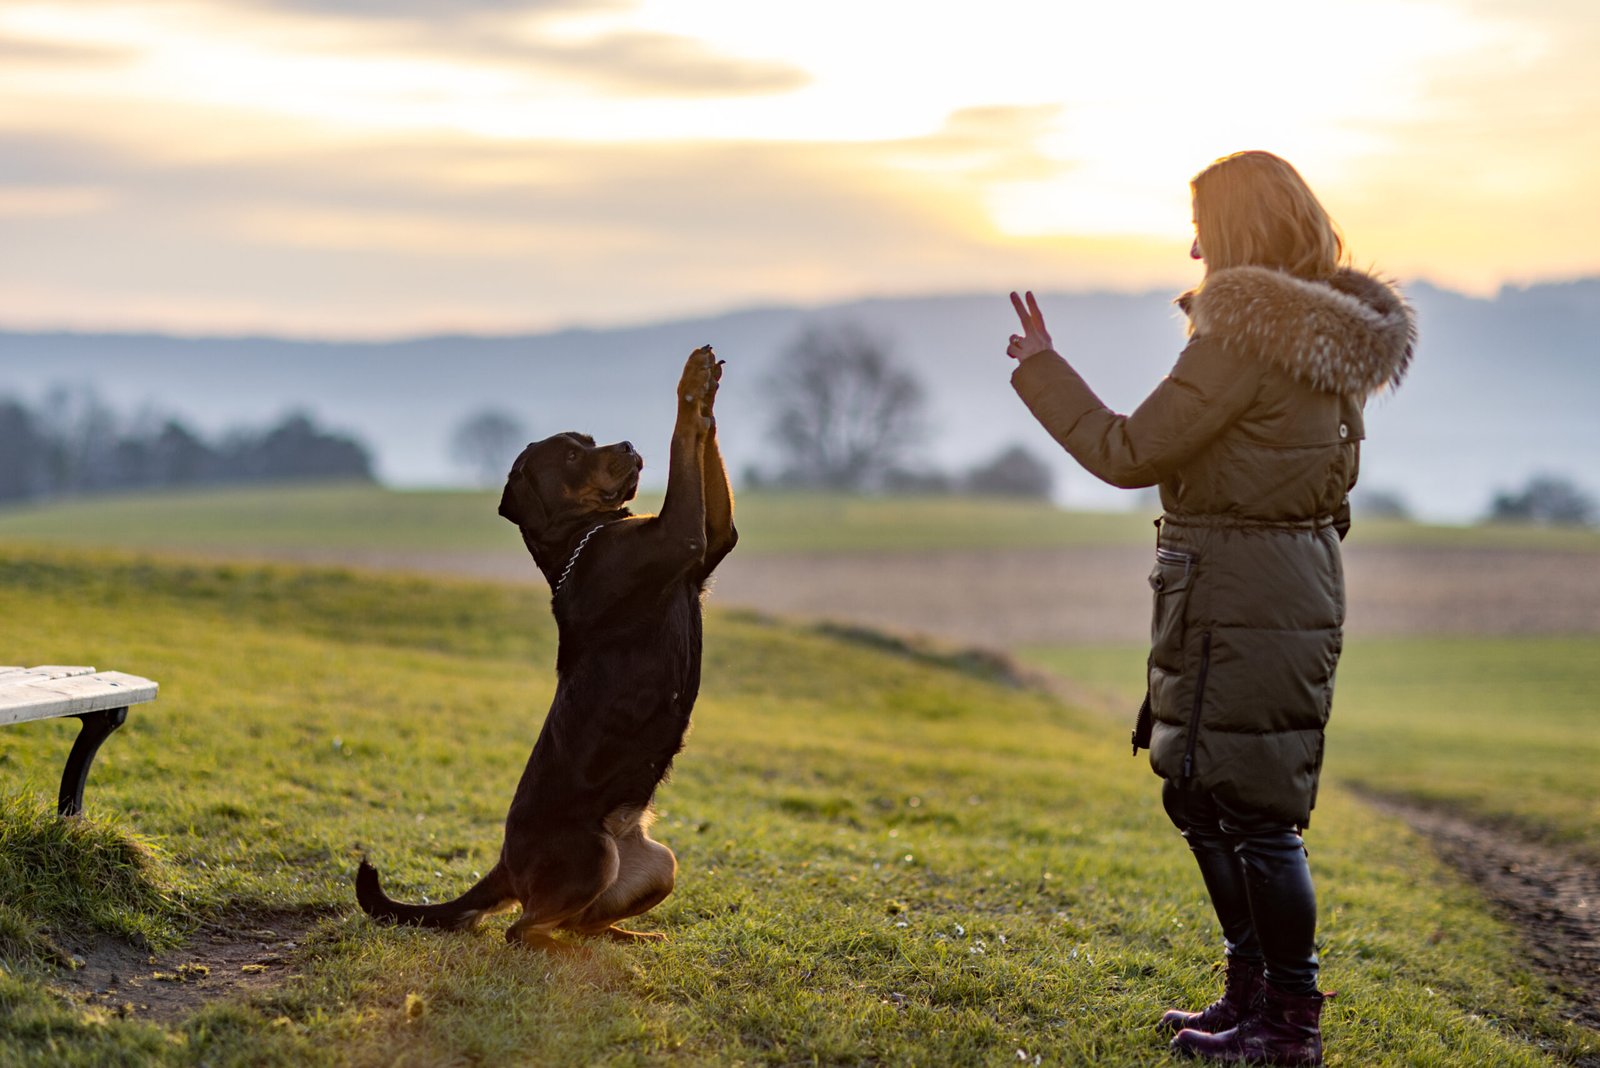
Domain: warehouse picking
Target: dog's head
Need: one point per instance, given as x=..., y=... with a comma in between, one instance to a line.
x=566, y=477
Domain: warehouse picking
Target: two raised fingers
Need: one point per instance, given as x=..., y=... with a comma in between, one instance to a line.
x=1032, y=318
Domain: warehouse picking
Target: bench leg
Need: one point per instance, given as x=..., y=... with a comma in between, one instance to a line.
x=97, y=727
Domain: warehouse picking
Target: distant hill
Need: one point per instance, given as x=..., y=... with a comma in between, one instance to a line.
x=1502, y=387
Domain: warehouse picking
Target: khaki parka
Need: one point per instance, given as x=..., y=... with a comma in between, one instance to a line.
x=1254, y=439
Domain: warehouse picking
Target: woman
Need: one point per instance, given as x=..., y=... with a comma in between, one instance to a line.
x=1254, y=440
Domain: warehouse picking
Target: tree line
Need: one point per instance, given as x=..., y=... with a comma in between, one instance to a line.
x=843, y=415
x=72, y=443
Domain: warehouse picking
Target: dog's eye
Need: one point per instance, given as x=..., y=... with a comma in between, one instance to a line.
x=572, y=456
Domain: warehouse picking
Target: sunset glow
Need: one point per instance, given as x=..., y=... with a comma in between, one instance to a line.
x=304, y=166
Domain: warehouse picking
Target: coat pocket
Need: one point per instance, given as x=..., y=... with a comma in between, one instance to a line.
x=1169, y=582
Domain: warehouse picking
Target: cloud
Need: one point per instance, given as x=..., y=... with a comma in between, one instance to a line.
x=988, y=143
x=639, y=63
x=23, y=50
x=536, y=35
x=434, y=10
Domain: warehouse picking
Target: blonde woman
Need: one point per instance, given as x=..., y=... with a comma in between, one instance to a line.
x=1254, y=440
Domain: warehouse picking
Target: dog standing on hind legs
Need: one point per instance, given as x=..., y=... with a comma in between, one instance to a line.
x=626, y=592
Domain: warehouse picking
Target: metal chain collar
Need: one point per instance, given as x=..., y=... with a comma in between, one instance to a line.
x=573, y=559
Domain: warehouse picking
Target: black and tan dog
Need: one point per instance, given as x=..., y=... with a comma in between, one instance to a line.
x=626, y=593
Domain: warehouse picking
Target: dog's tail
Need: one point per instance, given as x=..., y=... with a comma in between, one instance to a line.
x=490, y=894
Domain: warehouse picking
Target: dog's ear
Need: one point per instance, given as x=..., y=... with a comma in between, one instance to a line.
x=520, y=502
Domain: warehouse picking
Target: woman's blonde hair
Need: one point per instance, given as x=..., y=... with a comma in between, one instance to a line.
x=1254, y=209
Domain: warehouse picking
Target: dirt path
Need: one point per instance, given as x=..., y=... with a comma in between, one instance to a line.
x=1552, y=897
x=1100, y=595
x=1097, y=595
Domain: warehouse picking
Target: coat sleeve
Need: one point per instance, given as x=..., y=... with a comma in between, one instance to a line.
x=1208, y=388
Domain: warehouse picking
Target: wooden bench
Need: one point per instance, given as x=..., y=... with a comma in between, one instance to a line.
x=99, y=700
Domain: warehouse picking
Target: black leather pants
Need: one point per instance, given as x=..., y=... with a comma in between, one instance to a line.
x=1255, y=870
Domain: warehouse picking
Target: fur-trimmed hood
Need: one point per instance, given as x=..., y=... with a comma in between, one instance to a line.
x=1349, y=334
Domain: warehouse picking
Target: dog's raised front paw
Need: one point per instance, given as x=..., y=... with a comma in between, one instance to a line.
x=697, y=388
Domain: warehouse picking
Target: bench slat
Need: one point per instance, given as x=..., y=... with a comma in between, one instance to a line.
x=44, y=671
x=44, y=693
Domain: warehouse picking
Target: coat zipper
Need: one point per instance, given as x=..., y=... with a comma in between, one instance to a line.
x=1199, y=700
x=1173, y=556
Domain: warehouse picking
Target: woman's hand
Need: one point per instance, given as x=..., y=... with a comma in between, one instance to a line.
x=1034, y=338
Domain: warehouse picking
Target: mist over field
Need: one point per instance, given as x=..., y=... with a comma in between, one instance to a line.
x=1501, y=389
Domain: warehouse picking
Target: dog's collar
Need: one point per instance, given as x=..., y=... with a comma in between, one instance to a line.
x=573, y=559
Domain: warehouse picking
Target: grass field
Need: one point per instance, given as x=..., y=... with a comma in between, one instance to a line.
x=1501, y=730
x=884, y=859
x=369, y=517
x=364, y=516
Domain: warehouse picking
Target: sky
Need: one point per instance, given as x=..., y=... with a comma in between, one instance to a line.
x=359, y=168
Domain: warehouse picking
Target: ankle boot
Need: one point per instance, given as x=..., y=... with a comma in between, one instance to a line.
x=1239, y=989
x=1280, y=1029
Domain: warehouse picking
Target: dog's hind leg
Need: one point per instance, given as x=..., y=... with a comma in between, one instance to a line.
x=645, y=876
x=534, y=932
x=559, y=883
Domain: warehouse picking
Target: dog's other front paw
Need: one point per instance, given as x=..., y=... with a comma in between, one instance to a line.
x=711, y=396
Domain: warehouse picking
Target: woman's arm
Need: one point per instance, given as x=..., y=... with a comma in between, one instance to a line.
x=1208, y=388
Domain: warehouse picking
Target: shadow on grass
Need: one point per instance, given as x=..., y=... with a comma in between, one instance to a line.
x=987, y=665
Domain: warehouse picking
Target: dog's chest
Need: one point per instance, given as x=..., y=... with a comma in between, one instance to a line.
x=636, y=673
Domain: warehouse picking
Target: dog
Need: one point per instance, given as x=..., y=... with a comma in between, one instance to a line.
x=626, y=593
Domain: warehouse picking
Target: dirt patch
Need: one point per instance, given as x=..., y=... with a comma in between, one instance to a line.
x=232, y=959
x=1551, y=896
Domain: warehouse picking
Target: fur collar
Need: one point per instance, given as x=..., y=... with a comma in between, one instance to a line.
x=1351, y=333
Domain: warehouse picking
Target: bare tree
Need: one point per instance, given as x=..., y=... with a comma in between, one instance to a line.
x=487, y=442
x=844, y=412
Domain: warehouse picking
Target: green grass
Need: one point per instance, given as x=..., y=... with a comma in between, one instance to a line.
x=81, y=874
x=314, y=517
x=303, y=516
x=1501, y=729
x=1475, y=536
x=887, y=857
